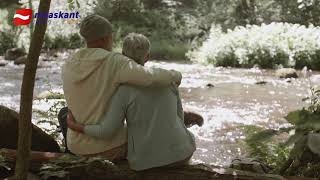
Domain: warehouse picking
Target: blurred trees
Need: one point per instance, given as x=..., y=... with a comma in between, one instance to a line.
x=231, y=13
x=228, y=12
x=188, y=20
x=175, y=26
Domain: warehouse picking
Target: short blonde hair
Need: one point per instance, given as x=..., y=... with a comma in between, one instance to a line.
x=136, y=46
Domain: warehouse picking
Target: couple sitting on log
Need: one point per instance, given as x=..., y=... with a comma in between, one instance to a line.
x=119, y=109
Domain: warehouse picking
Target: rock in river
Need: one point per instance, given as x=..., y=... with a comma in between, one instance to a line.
x=192, y=118
x=3, y=63
x=9, y=133
x=286, y=73
x=209, y=85
x=20, y=60
x=13, y=53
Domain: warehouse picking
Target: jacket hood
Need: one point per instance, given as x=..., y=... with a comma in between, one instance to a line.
x=83, y=63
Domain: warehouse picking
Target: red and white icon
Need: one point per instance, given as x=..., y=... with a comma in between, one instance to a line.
x=22, y=17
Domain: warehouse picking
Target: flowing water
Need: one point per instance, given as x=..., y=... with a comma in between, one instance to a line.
x=234, y=99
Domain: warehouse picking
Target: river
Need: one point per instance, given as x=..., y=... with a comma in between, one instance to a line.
x=234, y=99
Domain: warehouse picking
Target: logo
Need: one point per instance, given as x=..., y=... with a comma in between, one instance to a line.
x=22, y=17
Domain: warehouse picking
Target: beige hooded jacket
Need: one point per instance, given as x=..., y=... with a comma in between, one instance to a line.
x=90, y=77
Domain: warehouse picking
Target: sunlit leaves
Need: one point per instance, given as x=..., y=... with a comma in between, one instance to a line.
x=47, y=120
x=71, y=4
x=297, y=117
x=304, y=135
x=265, y=45
x=3, y=163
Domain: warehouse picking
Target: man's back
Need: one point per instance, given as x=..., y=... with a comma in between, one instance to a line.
x=88, y=83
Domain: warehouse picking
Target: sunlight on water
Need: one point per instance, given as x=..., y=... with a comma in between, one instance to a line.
x=225, y=97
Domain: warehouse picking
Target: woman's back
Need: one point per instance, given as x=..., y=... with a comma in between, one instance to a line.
x=157, y=135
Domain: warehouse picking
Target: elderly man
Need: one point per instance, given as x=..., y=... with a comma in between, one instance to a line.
x=157, y=135
x=92, y=75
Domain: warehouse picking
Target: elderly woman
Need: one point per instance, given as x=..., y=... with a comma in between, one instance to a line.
x=157, y=135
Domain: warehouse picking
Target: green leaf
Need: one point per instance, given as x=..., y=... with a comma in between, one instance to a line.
x=3, y=163
x=311, y=122
x=294, y=138
x=306, y=99
x=71, y=6
x=286, y=130
x=298, y=148
x=293, y=117
x=78, y=4
x=298, y=117
x=49, y=174
x=262, y=135
x=314, y=142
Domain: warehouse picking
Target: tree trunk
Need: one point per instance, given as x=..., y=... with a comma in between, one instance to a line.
x=24, y=142
x=31, y=24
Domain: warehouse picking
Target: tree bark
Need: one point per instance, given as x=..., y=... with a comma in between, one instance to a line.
x=31, y=24
x=24, y=141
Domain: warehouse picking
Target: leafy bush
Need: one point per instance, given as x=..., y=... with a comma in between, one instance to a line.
x=275, y=155
x=7, y=41
x=169, y=25
x=168, y=50
x=304, y=156
x=72, y=41
x=265, y=45
x=48, y=119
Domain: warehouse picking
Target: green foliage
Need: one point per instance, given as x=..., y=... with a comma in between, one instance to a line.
x=48, y=119
x=72, y=41
x=299, y=160
x=266, y=45
x=314, y=100
x=168, y=50
x=170, y=27
x=8, y=3
x=7, y=41
x=304, y=119
x=72, y=3
x=3, y=163
x=232, y=13
x=300, y=11
x=261, y=148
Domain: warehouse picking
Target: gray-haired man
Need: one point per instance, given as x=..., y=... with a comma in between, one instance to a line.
x=157, y=135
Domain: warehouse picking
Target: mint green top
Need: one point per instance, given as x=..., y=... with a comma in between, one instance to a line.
x=157, y=135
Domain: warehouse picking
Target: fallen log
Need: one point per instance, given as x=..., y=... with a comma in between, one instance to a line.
x=60, y=166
